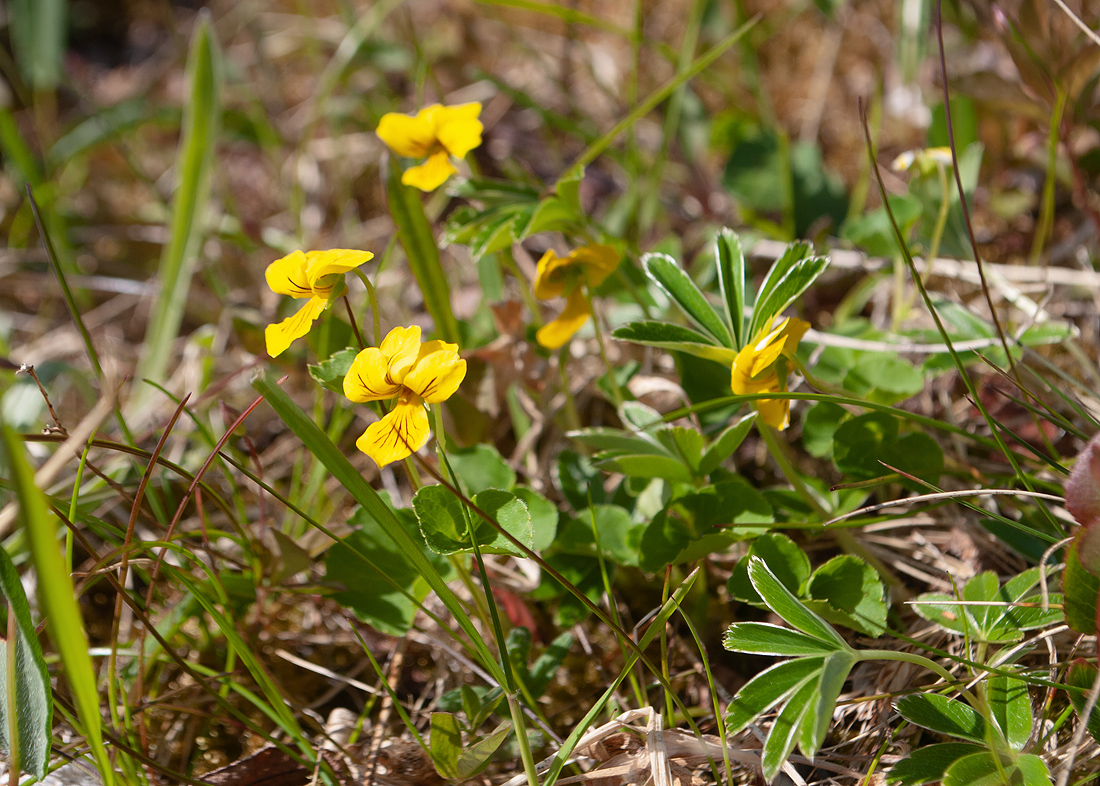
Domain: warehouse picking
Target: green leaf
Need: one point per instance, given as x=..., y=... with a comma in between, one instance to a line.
x=943, y=715
x=648, y=466
x=785, y=289
x=475, y=758
x=547, y=664
x=860, y=442
x=786, y=605
x=1010, y=706
x=57, y=598
x=663, y=539
x=1082, y=676
x=416, y=237
x=768, y=688
x=982, y=769
x=784, y=558
x=685, y=443
x=1033, y=769
x=678, y=285
x=481, y=467
x=731, y=279
x=618, y=440
x=785, y=731
x=38, y=30
x=380, y=583
x=443, y=521
x=928, y=763
x=29, y=696
x=833, y=676
x=446, y=744
x=723, y=446
x=1080, y=589
x=675, y=338
x=763, y=638
x=544, y=517
x=352, y=480
x=852, y=594
x=819, y=427
x=884, y=377
x=194, y=165
x=511, y=514
x=873, y=233
x=330, y=373
x=619, y=535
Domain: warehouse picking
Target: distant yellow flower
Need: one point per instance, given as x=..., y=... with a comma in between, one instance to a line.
x=317, y=275
x=436, y=133
x=924, y=161
x=755, y=368
x=415, y=374
x=588, y=266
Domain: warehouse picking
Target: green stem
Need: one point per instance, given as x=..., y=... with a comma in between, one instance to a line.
x=524, y=287
x=616, y=391
x=1046, y=216
x=918, y=660
x=372, y=297
x=778, y=451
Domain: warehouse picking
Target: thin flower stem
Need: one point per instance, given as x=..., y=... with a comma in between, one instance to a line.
x=372, y=296
x=616, y=391
x=572, y=419
x=918, y=660
x=524, y=287
x=354, y=324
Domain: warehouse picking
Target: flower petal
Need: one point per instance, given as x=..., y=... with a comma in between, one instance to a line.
x=458, y=128
x=335, y=261
x=367, y=378
x=775, y=412
x=409, y=136
x=599, y=262
x=431, y=174
x=792, y=329
x=551, y=278
x=401, y=346
x=399, y=434
x=287, y=276
x=279, y=336
x=556, y=333
x=438, y=372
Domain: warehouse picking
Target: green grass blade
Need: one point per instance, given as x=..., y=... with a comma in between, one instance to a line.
x=423, y=254
x=55, y=589
x=26, y=706
x=322, y=448
x=201, y=121
x=38, y=30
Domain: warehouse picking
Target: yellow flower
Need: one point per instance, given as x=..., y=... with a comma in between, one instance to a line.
x=557, y=276
x=436, y=133
x=415, y=374
x=755, y=368
x=317, y=275
x=924, y=161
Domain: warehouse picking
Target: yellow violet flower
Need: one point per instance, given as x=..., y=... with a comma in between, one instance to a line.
x=317, y=275
x=415, y=374
x=558, y=276
x=436, y=133
x=755, y=369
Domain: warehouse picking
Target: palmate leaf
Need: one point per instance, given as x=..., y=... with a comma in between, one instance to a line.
x=783, y=602
x=1010, y=707
x=786, y=729
x=944, y=715
x=768, y=688
x=790, y=276
x=930, y=762
x=763, y=638
x=678, y=285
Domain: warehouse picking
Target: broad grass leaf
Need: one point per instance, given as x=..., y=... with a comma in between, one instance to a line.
x=852, y=594
x=475, y=757
x=33, y=708
x=943, y=715
x=780, y=600
x=763, y=638
x=928, y=763
x=767, y=689
x=730, y=257
x=1010, y=706
x=677, y=284
x=57, y=599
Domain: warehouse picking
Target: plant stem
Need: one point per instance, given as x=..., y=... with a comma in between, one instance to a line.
x=616, y=391
x=372, y=296
x=1046, y=214
x=918, y=660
